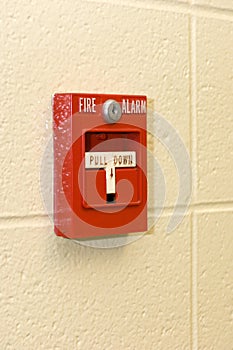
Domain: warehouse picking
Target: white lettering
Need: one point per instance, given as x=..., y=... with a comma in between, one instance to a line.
x=133, y=106
x=123, y=106
x=143, y=106
x=96, y=160
x=87, y=104
x=80, y=104
x=127, y=107
x=137, y=106
x=93, y=105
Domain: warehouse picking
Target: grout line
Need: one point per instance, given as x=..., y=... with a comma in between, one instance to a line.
x=43, y=221
x=193, y=97
x=212, y=207
x=191, y=283
x=25, y=221
x=22, y=217
x=172, y=6
x=194, y=283
x=211, y=12
x=198, y=208
x=193, y=151
x=214, y=9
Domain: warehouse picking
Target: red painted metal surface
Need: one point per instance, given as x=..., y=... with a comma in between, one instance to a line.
x=82, y=209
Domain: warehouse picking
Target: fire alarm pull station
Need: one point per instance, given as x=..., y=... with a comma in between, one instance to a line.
x=100, y=161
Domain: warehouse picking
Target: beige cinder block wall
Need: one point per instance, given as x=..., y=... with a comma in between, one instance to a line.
x=164, y=291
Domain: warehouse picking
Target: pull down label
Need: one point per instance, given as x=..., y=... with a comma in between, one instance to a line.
x=97, y=160
x=110, y=161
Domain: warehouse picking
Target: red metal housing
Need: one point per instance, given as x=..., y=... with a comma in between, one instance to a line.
x=93, y=157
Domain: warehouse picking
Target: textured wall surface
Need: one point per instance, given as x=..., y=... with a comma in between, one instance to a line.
x=163, y=291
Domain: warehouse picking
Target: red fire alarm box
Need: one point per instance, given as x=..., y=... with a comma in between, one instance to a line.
x=100, y=161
